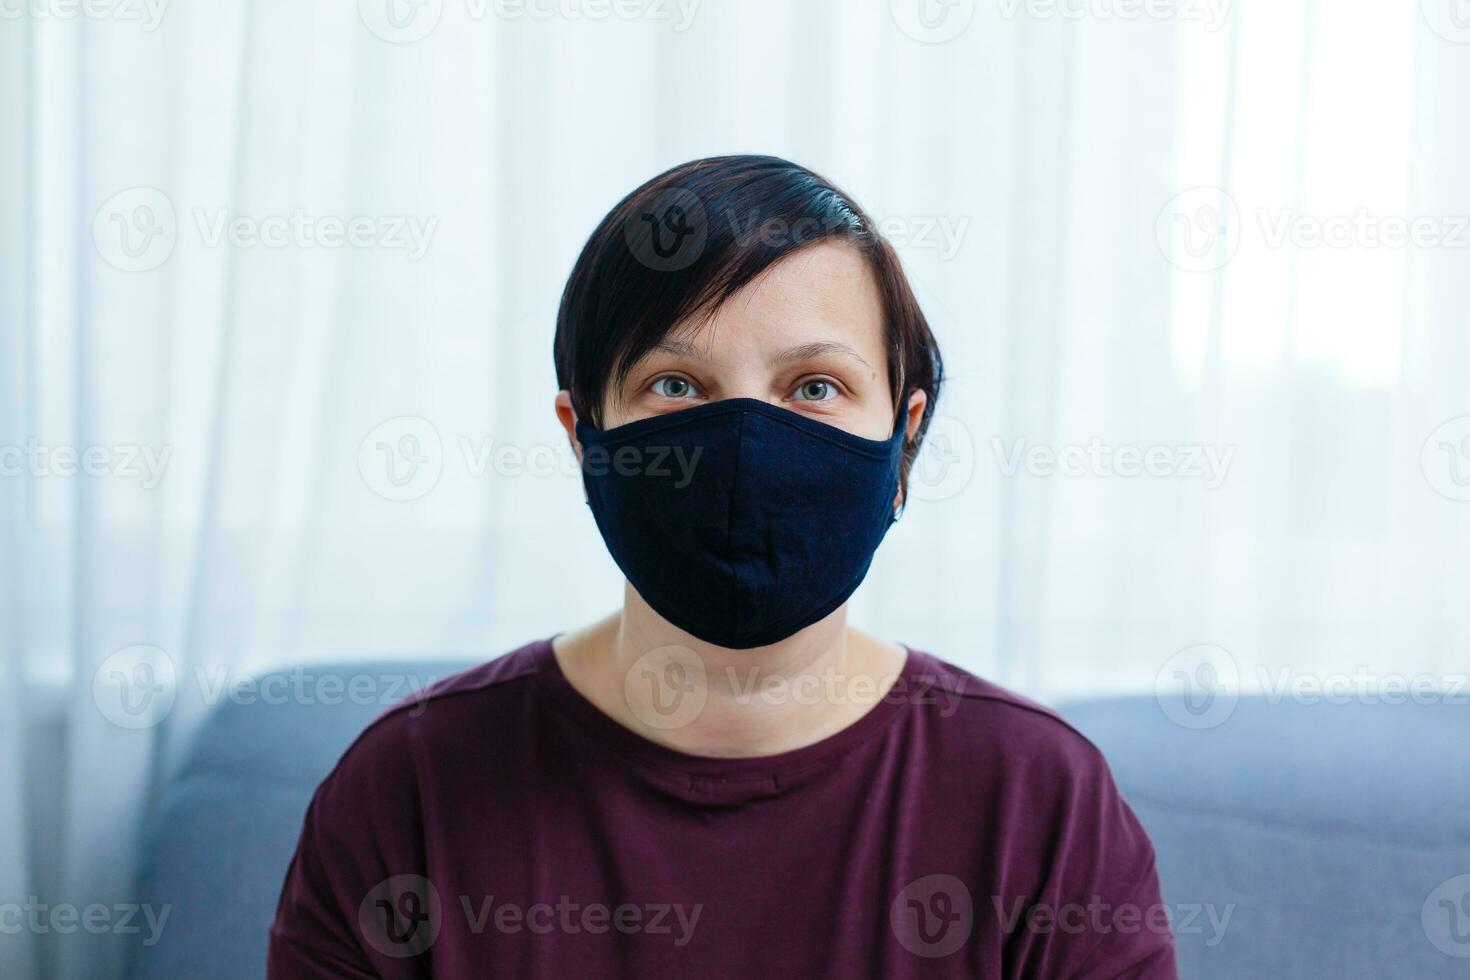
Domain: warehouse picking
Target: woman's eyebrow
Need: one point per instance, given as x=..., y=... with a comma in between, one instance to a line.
x=679, y=348
x=817, y=349
x=802, y=352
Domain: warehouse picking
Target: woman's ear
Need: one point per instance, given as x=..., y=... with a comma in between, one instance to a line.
x=913, y=416
x=567, y=416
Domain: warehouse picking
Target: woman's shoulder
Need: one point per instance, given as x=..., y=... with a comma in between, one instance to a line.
x=975, y=716
x=443, y=717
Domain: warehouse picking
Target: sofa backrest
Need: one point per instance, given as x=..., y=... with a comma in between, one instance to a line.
x=1295, y=841
x=1302, y=840
x=227, y=823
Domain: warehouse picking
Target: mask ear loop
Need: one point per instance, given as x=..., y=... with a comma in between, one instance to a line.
x=900, y=424
x=578, y=417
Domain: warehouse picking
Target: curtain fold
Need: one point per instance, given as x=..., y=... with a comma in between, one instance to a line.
x=17, y=870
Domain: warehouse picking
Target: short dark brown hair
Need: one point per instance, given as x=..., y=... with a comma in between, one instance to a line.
x=685, y=241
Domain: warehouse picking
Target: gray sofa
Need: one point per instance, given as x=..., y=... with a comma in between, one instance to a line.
x=1294, y=840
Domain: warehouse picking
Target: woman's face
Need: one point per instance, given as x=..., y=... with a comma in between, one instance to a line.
x=806, y=335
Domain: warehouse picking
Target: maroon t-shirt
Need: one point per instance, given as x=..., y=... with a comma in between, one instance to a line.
x=498, y=825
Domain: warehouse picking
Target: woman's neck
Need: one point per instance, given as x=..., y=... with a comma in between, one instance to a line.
x=657, y=680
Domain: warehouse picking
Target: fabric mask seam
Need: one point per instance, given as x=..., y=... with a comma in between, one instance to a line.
x=730, y=527
x=828, y=606
x=878, y=448
x=667, y=421
x=853, y=583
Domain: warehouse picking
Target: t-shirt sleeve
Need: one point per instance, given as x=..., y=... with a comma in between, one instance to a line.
x=354, y=905
x=1097, y=913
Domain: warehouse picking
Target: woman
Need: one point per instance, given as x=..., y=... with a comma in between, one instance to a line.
x=724, y=778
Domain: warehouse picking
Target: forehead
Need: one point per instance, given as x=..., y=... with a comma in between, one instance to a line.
x=826, y=291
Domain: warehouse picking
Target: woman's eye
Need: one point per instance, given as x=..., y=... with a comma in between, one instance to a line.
x=672, y=387
x=816, y=390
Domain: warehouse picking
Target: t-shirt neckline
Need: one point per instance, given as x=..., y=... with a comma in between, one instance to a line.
x=623, y=743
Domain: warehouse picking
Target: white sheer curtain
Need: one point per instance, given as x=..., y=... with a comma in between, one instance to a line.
x=304, y=450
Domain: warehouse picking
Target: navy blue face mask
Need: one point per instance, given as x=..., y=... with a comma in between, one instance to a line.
x=738, y=521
